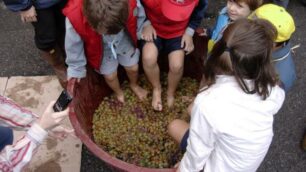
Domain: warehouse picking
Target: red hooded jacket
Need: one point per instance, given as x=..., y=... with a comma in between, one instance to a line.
x=92, y=40
x=164, y=27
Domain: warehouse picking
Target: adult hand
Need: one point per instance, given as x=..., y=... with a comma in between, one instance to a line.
x=148, y=33
x=28, y=15
x=61, y=132
x=51, y=119
x=187, y=43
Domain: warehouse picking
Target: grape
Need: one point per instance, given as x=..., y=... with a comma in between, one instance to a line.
x=135, y=133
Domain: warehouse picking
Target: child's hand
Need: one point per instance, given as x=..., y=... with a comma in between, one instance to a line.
x=28, y=15
x=202, y=32
x=148, y=33
x=77, y=80
x=187, y=43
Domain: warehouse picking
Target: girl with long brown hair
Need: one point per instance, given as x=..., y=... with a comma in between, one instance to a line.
x=232, y=116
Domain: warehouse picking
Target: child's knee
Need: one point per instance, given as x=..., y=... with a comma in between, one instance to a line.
x=172, y=126
x=176, y=68
x=110, y=77
x=149, y=54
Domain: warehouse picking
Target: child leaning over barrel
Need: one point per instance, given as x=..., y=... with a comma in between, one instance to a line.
x=231, y=125
x=282, y=56
x=104, y=34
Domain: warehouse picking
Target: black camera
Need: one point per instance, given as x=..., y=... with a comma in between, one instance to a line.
x=62, y=102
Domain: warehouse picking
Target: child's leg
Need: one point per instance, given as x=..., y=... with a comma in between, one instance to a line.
x=46, y=40
x=177, y=129
x=55, y=59
x=60, y=24
x=176, y=66
x=132, y=73
x=113, y=83
x=150, y=66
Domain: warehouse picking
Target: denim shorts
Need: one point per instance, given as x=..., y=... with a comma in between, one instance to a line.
x=183, y=144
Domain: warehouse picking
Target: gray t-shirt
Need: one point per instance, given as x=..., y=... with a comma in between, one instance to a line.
x=114, y=45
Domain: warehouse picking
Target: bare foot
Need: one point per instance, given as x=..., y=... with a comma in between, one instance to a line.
x=156, y=100
x=120, y=97
x=170, y=101
x=187, y=98
x=140, y=92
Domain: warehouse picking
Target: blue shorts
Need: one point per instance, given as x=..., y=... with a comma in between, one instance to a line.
x=166, y=45
x=110, y=64
x=6, y=137
x=183, y=144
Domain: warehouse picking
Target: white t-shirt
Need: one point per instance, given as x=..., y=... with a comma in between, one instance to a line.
x=229, y=129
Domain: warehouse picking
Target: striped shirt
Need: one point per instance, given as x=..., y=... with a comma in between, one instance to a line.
x=15, y=157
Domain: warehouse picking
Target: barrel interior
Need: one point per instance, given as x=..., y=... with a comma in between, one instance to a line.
x=88, y=94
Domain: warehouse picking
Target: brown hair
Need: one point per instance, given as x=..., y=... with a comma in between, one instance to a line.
x=253, y=4
x=106, y=16
x=244, y=51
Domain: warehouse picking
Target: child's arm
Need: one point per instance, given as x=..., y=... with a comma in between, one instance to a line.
x=145, y=30
x=195, y=20
x=74, y=47
x=216, y=33
x=196, y=17
x=148, y=33
x=141, y=19
x=18, y=5
x=200, y=142
x=221, y=22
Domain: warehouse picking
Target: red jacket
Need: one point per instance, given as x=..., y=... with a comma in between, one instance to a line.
x=164, y=27
x=92, y=40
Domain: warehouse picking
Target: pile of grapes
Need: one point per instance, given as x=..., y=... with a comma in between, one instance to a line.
x=135, y=133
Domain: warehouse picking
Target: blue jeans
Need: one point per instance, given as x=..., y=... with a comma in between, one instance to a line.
x=6, y=137
x=286, y=72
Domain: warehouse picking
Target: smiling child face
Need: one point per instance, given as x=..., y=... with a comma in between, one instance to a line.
x=237, y=10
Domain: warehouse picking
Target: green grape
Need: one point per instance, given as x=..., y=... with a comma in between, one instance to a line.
x=137, y=134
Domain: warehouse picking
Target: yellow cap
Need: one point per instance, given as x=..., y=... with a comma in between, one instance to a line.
x=279, y=17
